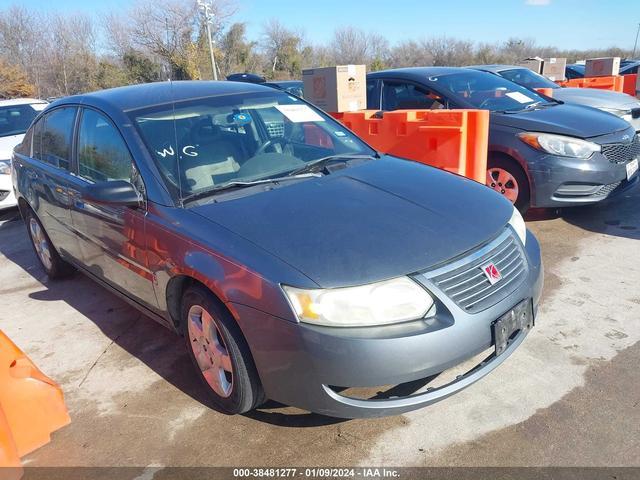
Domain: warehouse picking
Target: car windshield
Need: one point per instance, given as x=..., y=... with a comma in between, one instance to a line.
x=15, y=119
x=486, y=91
x=206, y=143
x=527, y=78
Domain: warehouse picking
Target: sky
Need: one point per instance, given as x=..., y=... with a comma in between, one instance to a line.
x=578, y=24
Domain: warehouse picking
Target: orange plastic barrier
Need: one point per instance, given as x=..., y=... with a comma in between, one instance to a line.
x=615, y=83
x=31, y=405
x=454, y=140
x=545, y=91
x=630, y=81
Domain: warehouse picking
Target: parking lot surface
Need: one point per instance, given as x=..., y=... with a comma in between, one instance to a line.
x=569, y=396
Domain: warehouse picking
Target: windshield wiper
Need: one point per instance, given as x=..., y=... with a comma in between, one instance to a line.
x=238, y=184
x=319, y=163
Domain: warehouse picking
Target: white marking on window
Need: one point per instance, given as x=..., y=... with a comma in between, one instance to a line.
x=191, y=152
x=166, y=151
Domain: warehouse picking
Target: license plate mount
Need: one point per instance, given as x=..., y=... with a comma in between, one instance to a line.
x=506, y=328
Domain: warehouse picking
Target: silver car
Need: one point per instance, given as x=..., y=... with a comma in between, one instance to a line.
x=620, y=104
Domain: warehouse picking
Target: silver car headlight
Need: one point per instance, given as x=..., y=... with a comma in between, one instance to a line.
x=620, y=112
x=560, y=145
x=391, y=301
x=5, y=167
x=517, y=223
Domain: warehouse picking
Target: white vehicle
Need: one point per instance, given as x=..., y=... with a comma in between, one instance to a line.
x=15, y=117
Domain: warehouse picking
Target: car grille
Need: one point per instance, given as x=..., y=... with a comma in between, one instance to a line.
x=3, y=194
x=622, y=152
x=466, y=284
x=275, y=129
x=607, y=189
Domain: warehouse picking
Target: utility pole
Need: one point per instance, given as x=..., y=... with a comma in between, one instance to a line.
x=207, y=11
x=635, y=45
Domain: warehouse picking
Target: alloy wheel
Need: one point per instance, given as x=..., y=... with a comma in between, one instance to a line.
x=210, y=351
x=504, y=183
x=41, y=243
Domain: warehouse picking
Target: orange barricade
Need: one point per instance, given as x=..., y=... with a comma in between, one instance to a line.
x=630, y=81
x=454, y=140
x=545, y=91
x=615, y=83
x=31, y=405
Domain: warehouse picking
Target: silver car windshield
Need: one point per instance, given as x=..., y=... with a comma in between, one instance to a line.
x=201, y=144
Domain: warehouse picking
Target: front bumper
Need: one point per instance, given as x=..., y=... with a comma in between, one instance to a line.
x=7, y=197
x=566, y=182
x=303, y=365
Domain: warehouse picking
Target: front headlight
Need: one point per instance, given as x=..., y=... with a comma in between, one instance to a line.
x=517, y=223
x=392, y=301
x=559, y=144
x=620, y=112
x=5, y=167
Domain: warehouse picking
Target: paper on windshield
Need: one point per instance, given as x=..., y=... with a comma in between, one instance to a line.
x=299, y=113
x=519, y=97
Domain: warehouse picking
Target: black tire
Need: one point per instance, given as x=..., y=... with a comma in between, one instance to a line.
x=515, y=170
x=56, y=268
x=246, y=390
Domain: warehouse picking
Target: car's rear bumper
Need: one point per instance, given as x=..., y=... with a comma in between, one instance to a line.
x=566, y=182
x=309, y=366
x=7, y=197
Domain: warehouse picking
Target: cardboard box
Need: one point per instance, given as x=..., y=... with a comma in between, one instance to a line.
x=336, y=89
x=554, y=68
x=534, y=64
x=602, y=67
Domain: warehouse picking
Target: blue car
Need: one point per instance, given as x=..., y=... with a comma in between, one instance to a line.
x=542, y=152
x=297, y=263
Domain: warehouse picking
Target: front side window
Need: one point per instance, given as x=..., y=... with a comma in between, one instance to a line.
x=402, y=95
x=15, y=119
x=203, y=144
x=527, y=78
x=55, y=137
x=102, y=152
x=486, y=91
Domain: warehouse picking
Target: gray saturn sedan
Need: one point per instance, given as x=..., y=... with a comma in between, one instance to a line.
x=620, y=104
x=297, y=263
x=542, y=152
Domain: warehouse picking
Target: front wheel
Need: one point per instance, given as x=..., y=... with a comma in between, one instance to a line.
x=507, y=178
x=220, y=353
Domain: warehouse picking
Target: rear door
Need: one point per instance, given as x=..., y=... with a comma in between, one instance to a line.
x=112, y=237
x=45, y=175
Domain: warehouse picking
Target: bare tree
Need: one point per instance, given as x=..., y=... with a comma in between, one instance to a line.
x=283, y=49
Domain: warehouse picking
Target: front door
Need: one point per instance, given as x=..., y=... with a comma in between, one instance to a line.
x=112, y=237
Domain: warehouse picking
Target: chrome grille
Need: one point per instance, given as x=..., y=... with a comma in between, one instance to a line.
x=466, y=284
x=622, y=152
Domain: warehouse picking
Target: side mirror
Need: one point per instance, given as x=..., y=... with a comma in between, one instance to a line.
x=116, y=192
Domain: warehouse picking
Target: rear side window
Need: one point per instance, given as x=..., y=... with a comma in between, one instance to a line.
x=102, y=152
x=24, y=148
x=55, y=137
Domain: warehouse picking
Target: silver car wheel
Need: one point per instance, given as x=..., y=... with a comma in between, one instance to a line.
x=210, y=351
x=41, y=243
x=504, y=183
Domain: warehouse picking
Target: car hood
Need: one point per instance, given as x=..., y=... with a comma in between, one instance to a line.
x=565, y=119
x=7, y=144
x=366, y=223
x=596, y=98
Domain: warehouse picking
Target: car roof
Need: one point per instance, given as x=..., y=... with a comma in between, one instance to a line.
x=143, y=95
x=20, y=101
x=417, y=73
x=284, y=82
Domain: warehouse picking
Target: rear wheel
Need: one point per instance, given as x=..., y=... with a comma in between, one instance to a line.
x=53, y=265
x=507, y=178
x=219, y=352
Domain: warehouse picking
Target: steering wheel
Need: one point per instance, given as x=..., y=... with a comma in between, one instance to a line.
x=270, y=143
